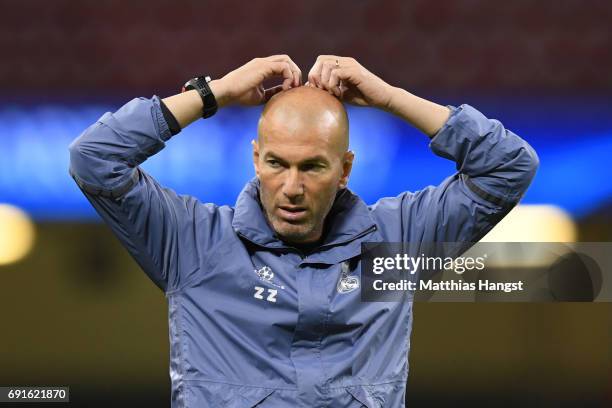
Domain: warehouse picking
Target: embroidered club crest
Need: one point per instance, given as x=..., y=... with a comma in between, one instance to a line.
x=347, y=283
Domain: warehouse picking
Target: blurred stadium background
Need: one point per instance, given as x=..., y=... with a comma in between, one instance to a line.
x=75, y=309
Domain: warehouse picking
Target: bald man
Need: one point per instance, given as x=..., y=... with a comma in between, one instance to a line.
x=264, y=300
x=305, y=131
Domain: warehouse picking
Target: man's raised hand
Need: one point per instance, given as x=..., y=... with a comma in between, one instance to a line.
x=349, y=81
x=244, y=85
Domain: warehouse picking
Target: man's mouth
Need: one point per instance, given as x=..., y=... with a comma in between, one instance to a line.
x=291, y=213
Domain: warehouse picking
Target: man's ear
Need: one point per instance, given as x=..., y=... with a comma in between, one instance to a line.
x=255, y=145
x=347, y=166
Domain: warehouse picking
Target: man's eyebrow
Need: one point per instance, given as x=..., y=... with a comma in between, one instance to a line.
x=273, y=156
x=308, y=160
x=316, y=159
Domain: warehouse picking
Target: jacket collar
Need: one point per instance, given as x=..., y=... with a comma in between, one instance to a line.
x=348, y=219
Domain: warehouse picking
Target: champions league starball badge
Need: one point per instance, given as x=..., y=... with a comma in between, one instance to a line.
x=265, y=274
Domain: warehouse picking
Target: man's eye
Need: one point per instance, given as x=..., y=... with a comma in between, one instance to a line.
x=273, y=163
x=312, y=167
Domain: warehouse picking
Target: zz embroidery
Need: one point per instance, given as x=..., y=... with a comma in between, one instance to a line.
x=259, y=294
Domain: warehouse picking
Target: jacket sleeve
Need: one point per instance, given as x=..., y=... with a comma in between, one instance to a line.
x=494, y=169
x=152, y=222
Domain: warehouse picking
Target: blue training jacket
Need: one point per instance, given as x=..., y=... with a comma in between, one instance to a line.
x=254, y=322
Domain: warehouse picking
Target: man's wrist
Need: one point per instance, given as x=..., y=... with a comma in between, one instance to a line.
x=392, y=102
x=400, y=102
x=427, y=116
x=220, y=91
x=186, y=107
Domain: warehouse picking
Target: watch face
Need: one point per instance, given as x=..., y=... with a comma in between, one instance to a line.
x=189, y=85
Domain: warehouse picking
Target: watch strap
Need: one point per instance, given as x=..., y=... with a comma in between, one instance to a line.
x=200, y=84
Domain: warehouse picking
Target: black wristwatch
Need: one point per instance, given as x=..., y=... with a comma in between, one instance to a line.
x=200, y=84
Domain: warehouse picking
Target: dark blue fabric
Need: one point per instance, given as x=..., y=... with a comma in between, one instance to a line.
x=254, y=322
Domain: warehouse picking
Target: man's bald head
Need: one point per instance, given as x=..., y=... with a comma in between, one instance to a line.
x=302, y=160
x=306, y=109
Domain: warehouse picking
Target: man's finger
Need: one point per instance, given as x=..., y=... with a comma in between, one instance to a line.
x=277, y=57
x=297, y=73
x=326, y=71
x=287, y=83
x=336, y=79
x=312, y=81
x=333, y=83
x=295, y=70
x=314, y=76
x=319, y=74
x=283, y=69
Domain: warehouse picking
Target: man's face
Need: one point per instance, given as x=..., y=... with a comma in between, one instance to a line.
x=300, y=169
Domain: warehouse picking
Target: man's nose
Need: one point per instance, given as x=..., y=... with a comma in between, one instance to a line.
x=293, y=186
